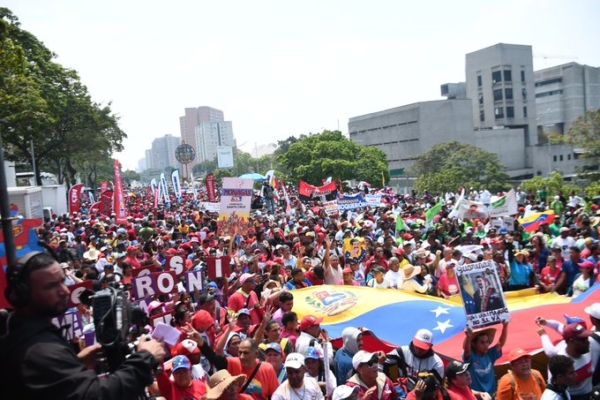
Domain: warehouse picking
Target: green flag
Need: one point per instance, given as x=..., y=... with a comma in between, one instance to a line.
x=400, y=224
x=432, y=212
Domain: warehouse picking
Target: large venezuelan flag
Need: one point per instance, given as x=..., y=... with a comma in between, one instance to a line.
x=394, y=316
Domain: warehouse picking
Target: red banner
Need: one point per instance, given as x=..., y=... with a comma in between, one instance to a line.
x=155, y=197
x=210, y=188
x=76, y=290
x=104, y=187
x=218, y=267
x=106, y=203
x=75, y=198
x=119, y=197
x=309, y=192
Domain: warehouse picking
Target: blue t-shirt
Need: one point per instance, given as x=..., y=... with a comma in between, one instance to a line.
x=519, y=273
x=571, y=270
x=481, y=369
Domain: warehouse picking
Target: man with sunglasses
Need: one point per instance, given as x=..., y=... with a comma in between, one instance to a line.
x=372, y=384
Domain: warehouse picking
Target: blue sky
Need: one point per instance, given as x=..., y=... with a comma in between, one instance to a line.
x=281, y=68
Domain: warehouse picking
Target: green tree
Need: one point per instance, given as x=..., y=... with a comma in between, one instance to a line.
x=446, y=166
x=129, y=176
x=584, y=133
x=220, y=174
x=316, y=157
x=47, y=105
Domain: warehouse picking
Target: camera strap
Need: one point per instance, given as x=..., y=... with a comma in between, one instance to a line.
x=252, y=375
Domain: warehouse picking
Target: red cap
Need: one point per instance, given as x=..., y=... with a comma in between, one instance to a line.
x=407, y=236
x=131, y=248
x=186, y=348
x=576, y=331
x=347, y=270
x=202, y=320
x=308, y=321
x=399, y=251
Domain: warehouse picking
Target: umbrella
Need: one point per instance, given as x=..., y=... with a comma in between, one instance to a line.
x=254, y=176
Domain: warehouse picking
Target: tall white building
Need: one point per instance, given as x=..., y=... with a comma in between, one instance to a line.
x=193, y=117
x=162, y=153
x=209, y=135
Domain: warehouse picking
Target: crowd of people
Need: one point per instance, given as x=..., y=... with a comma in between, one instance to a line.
x=241, y=338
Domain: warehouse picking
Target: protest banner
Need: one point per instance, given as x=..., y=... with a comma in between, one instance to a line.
x=210, y=207
x=374, y=200
x=482, y=294
x=503, y=206
x=154, y=284
x=71, y=321
x=119, y=196
x=175, y=264
x=348, y=202
x=210, y=187
x=218, y=267
x=355, y=250
x=75, y=198
x=76, y=290
x=193, y=281
x=308, y=192
x=234, y=211
x=330, y=207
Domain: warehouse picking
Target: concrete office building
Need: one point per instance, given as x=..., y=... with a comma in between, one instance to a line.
x=564, y=93
x=404, y=133
x=194, y=117
x=148, y=154
x=500, y=83
x=162, y=153
x=209, y=135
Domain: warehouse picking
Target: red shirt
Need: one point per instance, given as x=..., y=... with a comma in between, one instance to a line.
x=238, y=300
x=312, y=277
x=549, y=277
x=263, y=384
x=173, y=392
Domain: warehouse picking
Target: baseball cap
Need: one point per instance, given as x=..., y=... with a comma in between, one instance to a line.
x=361, y=357
x=517, y=353
x=243, y=311
x=593, y=310
x=308, y=321
x=245, y=277
x=202, y=320
x=347, y=270
x=205, y=298
x=564, y=229
x=185, y=348
x=456, y=368
x=273, y=346
x=587, y=264
x=294, y=361
x=344, y=391
x=423, y=339
x=576, y=331
x=181, y=362
x=312, y=353
x=379, y=269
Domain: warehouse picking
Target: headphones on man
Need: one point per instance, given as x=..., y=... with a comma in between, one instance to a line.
x=17, y=291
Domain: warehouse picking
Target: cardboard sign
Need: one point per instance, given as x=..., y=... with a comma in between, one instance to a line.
x=154, y=284
x=72, y=319
x=164, y=318
x=147, y=270
x=218, y=267
x=176, y=264
x=193, y=281
x=76, y=290
x=482, y=294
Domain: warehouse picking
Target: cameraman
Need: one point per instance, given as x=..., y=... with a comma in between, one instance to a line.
x=38, y=363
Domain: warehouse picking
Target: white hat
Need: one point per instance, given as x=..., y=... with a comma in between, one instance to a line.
x=423, y=339
x=361, y=357
x=593, y=310
x=294, y=360
x=343, y=392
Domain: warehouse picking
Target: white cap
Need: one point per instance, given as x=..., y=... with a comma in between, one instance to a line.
x=343, y=392
x=593, y=310
x=361, y=357
x=294, y=360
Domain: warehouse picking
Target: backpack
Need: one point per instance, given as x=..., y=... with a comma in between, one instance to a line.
x=537, y=377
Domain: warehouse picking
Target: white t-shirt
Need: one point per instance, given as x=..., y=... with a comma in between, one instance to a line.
x=550, y=395
x=309, y=391
x=393, y=277
x=333, y=275
x=385, y=284
x=563, y=245
x=580, y=285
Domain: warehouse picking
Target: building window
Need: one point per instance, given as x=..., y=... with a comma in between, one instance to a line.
x=568, y=156
x=496, y=76
x=481, y=115
x=554, y=158
x=497, y=94
x=510, y=112
x=550, y=93
x=508, y=93
x=524, y=93
x=480, y=98
x=507, y=75
x=522, y=76
x=561, y=157
x=524, y=112
x=548, y=82
x=479, y=80
x=499, y=112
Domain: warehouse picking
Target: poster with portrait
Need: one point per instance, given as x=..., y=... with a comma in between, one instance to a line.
x=482, y=294
x=355, y=250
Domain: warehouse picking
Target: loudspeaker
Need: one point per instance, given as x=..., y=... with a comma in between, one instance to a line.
x=17, y=291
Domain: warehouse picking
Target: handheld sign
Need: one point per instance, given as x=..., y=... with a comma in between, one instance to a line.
x=482, y=294
x=76, y=290
x=218, y=267
x=175, y=263
x=154, y=284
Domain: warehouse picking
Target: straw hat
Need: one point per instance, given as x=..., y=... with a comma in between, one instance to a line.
x=410, y=271
x=489, y=332
x=220, y=382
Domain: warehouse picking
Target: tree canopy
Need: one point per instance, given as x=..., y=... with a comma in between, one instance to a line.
x=316, y=157
x=447, y=166
x=46, y=104
x=584, y=133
